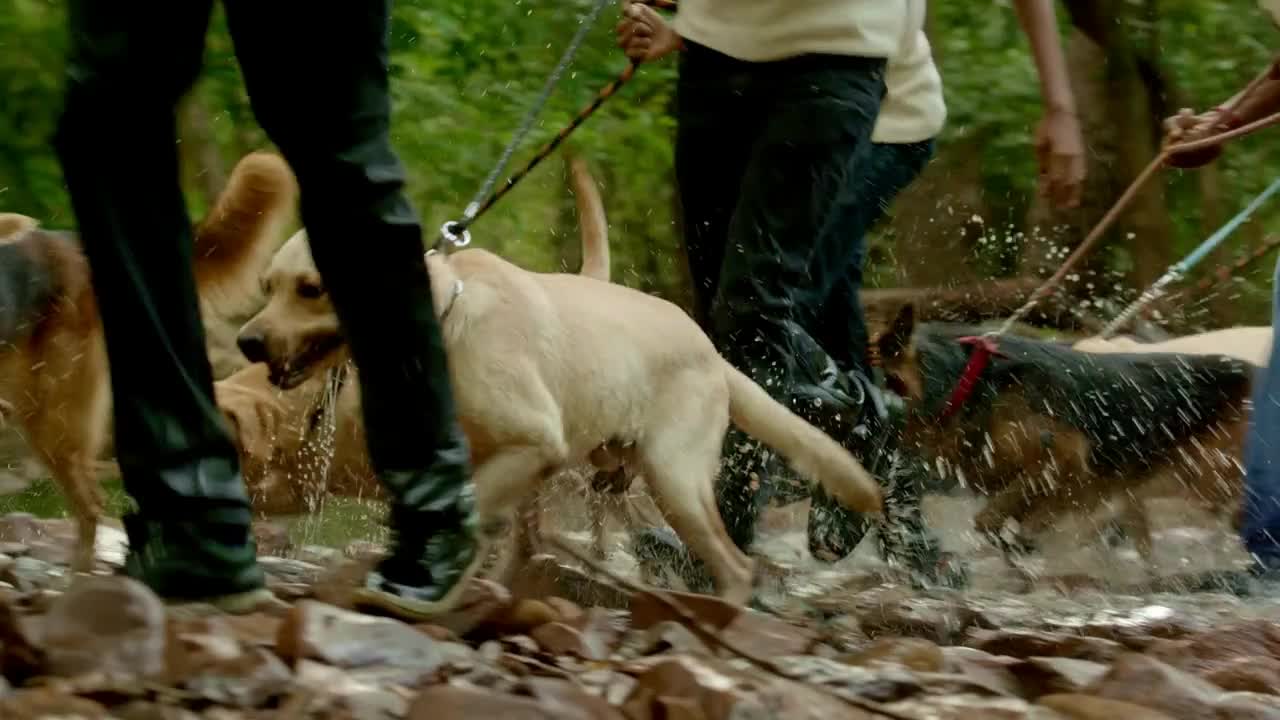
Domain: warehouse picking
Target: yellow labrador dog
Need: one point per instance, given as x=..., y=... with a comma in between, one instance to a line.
x=552, y=370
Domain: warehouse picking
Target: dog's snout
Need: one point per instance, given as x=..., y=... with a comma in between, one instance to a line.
x=253, y=346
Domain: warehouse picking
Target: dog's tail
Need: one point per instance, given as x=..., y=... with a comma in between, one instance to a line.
x=14, y=224
x=811, y=452
x=595, y=227
x=236, y=239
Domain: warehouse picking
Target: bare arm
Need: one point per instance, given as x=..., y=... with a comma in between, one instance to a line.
x=1041, y=27
x=1059, y=142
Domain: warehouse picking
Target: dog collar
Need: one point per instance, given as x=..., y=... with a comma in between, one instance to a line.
x=984, y=347
x=453, y=294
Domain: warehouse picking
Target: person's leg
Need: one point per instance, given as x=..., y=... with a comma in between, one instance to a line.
x=716, y=126
x=835, y=318
x=116, y=140
x=801, y=173
x=1260, y=529
x=318, y=82
x=837, y=321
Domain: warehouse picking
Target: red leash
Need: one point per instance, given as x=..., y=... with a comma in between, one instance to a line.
x=984, y=347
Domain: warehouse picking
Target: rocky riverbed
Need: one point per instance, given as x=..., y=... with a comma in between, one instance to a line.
x=567, y=643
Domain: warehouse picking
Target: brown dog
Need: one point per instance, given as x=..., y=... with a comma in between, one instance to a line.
x=53, y=366
x=1216, y=483
x=1048, y=430
x=608, y=367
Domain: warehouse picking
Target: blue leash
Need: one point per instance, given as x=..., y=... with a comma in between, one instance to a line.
x=1179, y=270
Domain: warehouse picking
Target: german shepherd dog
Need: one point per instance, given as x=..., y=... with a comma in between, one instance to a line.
x=1048, y=430
x=53, y=364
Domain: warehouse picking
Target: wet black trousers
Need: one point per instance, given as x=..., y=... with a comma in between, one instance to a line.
x=767, y=158
x=317, y=77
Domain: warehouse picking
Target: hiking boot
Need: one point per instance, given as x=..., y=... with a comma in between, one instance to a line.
x=435, y=548
x=207, y=563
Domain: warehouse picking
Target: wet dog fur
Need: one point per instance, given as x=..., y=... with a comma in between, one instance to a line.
x=549, y=368
x=53, y=365
x=1050, y=431
x=1216, y=483
x=290, y=464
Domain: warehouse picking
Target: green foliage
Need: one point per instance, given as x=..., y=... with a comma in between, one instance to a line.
x=465, y=71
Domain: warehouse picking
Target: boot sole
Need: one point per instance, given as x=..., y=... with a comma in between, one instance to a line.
x=420, y=610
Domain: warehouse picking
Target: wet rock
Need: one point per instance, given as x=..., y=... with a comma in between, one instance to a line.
x=967, y=707
x=544, y=576
x=1248, y=706
x=991, y=671
x=256, y=629
x=47, y=703
x=682, y=687
x=522, y=616
x=568, y=611
x=1143, y=680
x=1086, y=707
x=674, y=637
x=560, y=639
x=13, y=549
x=29, y=574
x=592, y=639
x=21, y=529
x=486, y=608
x=361, y=695
x=1132, y=628
x=342, y=638
x=288, y=570
x=141, y=710
x=548, y=699
x=207, y=658
x=1246, y=674
x=1035, y=643
x=1049, y=675
x=1240, y=656
x=882, y=684
x=943, y=621
x=110, y=625
x=751, y=631
x=911, y=653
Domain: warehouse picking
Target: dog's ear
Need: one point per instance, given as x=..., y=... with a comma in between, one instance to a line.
x=895, y=340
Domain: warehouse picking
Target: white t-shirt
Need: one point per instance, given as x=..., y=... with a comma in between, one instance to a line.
x=764, y=30
x=913, y=109
x=1273, y=7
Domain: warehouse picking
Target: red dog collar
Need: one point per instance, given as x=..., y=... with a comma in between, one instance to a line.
x=984, y=346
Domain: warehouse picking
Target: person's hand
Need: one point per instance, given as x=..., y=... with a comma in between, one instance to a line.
x=1060, y=152
x=1187, y=126
x=643, y=35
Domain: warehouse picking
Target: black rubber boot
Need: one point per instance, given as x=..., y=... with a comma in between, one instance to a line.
x=434, y=547
x=904, y=540
x=191, y=540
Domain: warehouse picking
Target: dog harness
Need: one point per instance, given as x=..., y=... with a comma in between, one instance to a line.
x=984, y=347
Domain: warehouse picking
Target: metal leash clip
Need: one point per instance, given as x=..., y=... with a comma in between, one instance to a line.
x=455, y=234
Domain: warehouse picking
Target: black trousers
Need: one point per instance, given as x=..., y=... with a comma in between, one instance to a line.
x=766, y=158
x=317, y=78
